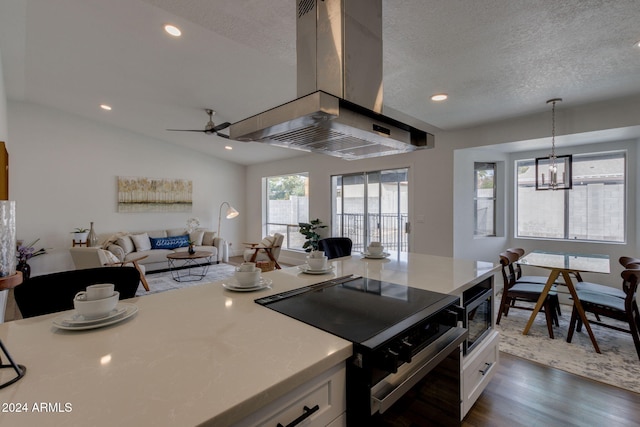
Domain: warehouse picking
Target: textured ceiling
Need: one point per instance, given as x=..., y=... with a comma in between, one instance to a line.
x=495, y=59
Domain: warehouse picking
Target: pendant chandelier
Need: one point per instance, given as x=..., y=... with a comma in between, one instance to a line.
x=554, y=172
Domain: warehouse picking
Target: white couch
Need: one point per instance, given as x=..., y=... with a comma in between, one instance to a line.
x=156, y=244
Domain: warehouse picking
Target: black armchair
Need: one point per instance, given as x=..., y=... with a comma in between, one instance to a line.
x=335, y=247
x=51, y=293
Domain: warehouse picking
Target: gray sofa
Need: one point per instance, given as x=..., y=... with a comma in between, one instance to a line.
x=156, y=244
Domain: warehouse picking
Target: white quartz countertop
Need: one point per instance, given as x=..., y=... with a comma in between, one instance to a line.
x=202, y=354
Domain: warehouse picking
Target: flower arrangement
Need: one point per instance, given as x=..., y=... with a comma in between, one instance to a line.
x=26, y=252
x=192, y=224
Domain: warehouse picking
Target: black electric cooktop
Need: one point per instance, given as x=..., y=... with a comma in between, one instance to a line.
x=361, y=310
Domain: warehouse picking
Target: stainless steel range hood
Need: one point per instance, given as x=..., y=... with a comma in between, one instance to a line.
x=339, y=106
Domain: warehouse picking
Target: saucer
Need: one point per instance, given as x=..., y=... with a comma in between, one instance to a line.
x=306, y=269
x=381, y=256
x=75, y=322
x=232, y=285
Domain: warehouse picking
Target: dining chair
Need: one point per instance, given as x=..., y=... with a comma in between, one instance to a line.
x=530, y=292
x=540, y=281
x=604, y=304
x=526, y=279
x=96, y=257
x=335, y=247
x=54, y=292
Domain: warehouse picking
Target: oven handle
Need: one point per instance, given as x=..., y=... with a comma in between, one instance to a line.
x=441, y=348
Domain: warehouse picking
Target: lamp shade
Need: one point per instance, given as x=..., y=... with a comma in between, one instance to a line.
x=230, y=213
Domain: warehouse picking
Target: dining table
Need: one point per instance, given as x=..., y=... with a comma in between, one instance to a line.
x=565, y=264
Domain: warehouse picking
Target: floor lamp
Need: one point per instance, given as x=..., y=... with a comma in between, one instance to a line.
x=230, y=213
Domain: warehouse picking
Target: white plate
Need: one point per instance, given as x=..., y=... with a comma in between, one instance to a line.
x=232, y=285
x=306, y=269
x=381, y=256
x=75, y=319
x=124, y=311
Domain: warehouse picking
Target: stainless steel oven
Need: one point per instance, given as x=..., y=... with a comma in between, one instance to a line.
x=402, y=337
x=478, y=313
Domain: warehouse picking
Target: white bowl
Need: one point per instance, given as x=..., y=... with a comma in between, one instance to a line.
x=96, y=308
x=319, y=263
x=248, y=278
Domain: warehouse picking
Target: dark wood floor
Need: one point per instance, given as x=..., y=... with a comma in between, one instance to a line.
x=524, y=393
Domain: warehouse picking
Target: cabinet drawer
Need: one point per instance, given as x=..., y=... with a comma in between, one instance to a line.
x=478, y=369
x=327, y=391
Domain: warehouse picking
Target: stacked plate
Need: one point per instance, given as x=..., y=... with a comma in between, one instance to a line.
x=233, y=285
x=75, y=322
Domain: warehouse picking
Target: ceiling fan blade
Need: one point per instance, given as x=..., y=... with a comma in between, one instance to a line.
x=221, y=126
x=186, y=130
x=222, y=135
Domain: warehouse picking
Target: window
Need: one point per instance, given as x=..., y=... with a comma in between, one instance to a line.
x=484, y=199
x=287, y=204
x=372, y=206
x=594, y=210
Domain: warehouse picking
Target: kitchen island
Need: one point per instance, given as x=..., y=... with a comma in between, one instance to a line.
x=199, y=355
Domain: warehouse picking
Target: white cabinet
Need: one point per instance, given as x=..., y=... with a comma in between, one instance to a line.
x=477, y=370
x=327, y=391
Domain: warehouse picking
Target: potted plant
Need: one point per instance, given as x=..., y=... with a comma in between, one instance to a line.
x=308, y=230
x=80, y=235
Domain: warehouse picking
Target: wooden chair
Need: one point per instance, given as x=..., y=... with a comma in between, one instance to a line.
x=51, y=293
x=538, y=280
x=267, y=250
x=96, y=257
x=335, y=247
x=604, y=304
x=524, y=292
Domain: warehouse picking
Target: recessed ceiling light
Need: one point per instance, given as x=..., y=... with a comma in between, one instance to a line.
x=105, y=107
x=173, y=30
x=439, y=97
x=228, y=147
x=638, y=44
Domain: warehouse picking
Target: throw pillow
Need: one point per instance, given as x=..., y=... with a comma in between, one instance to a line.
x=141, y=242
x=196, y=237
x=173, y=232
x=268, y=241
x=207, y=239
x=126, y=244
x=170, y=242
x=111, y=258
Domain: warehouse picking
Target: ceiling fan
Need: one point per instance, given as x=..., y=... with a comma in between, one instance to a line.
x=210, y=127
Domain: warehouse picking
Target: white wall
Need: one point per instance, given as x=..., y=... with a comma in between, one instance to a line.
x=466, y=245
x=63, y=175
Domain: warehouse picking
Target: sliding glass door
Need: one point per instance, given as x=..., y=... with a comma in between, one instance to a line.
x=372, y=206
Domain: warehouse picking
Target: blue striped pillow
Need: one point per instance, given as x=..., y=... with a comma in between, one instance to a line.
x=170, y=242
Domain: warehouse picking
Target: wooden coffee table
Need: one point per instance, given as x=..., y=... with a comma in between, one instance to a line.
x=186, y=267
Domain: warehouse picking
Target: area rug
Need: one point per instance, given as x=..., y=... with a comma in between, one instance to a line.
x=617, y=365
x=162, y=282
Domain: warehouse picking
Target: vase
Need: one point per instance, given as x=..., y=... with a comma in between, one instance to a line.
x=92, y=238
x=191, y=250
x=7, y=238
x=25, y=269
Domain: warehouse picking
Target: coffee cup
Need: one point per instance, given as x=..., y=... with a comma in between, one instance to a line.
x=247, y=278
x=99, y=291
x=375, y=248
x=317, y=263
x=93, y=309
x=247, y=266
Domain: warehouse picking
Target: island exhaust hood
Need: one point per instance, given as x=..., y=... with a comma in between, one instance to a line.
x=339, y=85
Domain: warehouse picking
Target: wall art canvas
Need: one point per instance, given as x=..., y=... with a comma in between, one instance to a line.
x=139, y=194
